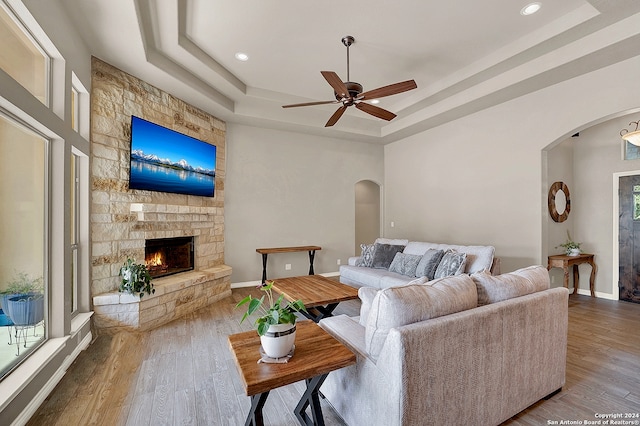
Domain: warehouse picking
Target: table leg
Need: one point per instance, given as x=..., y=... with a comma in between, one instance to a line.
x=592, y=279
x=264, y=268
x=576, y=279
x=255, y=414
x=312, y=254
x=566, y=277
x=316, y=313
x=310, y=398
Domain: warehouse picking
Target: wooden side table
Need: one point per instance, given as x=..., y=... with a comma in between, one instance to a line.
x=563, y=261
x=317, y=353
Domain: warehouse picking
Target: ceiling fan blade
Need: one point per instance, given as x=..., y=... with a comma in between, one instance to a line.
x=375, y=111
x=389, y=90
x=310, y=104
x=336, y=116
x=336, y=82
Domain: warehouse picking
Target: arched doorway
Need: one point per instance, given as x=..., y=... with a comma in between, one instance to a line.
x=367, y=210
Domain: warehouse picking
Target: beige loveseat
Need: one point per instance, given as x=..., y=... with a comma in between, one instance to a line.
x=461, y=350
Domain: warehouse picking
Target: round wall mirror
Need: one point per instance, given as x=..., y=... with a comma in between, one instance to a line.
x=559, y=202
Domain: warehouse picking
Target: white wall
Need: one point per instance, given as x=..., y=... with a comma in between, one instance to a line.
x=368, y=205
x=290, y=189
x=479, y=180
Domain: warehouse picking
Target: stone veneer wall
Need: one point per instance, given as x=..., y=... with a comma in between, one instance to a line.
x=121, y=219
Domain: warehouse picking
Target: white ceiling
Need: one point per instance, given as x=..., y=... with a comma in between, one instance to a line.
x=464, y=55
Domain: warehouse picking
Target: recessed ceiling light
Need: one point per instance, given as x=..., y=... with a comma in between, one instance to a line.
x=242, y=56
x=530, y=9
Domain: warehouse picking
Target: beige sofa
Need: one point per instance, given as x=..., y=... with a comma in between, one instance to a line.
x=458, y=350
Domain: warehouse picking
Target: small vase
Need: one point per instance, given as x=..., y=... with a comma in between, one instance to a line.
x=278, y=340
x=573, y=252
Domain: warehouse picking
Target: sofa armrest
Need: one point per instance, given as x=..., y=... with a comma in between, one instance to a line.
x=352, y=260
x=348, y=331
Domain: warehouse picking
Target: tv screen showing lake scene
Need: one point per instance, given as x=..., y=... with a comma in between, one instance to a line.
x=167, y=161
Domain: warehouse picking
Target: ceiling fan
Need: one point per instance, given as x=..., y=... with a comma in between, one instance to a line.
x=351, y=93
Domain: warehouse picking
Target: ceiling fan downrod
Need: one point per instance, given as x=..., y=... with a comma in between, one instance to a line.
x=348, y=41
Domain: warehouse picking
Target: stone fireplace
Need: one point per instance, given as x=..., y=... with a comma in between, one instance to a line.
x=124, y=221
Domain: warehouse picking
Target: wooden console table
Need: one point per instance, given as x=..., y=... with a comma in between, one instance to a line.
x=563, y=261
x=266, y=251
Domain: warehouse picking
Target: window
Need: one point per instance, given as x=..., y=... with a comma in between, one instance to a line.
x=23, y=252
x=21, y=57
x=631, y=152
x=74, y=108
x=636, y=202
x=74, y=214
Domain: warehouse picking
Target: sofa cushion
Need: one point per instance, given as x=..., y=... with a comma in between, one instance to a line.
x=397, y=306
x=429, y=263
x=452, y=263
x=405, y=264
x=383, y=255
x=366, y=258
x=369, y=277
x=496, y=288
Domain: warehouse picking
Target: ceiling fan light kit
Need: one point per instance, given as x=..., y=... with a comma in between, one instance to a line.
x=631, y=137
x=349, y=93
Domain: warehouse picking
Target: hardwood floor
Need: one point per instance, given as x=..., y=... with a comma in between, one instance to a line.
x=182, y=373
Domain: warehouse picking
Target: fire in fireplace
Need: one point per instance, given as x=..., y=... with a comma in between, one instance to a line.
x=167, y=256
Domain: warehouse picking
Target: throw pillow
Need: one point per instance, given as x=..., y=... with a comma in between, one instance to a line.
x=394, y=307
x=452, y=263
x=405, y=264
x=366, y=257
x=429, y=263
x=496, y=288
x=383, y=255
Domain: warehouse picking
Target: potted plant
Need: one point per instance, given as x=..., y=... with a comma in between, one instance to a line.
x=571, y=247
x=135, y=278
x=276, y=321
x=23, y=300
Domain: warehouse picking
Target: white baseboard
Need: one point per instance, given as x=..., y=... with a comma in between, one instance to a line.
x=257, y=283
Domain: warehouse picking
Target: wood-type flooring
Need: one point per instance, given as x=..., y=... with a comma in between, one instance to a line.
x=183, y=373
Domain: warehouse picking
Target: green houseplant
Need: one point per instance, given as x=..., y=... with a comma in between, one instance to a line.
x=571, y=247
x=276, y=321
x=135, y=278
x=278, y=312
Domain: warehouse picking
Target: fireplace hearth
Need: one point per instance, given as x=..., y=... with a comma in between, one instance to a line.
x=168, y=256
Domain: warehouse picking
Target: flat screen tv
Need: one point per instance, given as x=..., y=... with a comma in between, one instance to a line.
x=167, y=161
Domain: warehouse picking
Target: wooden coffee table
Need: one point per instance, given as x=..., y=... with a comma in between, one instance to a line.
x=319, y=294
x=317, y=353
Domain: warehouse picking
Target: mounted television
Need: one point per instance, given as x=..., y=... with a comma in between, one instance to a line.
x=164, y=160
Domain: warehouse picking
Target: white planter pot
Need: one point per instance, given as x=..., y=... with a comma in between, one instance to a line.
x=573, y=252
x=279, y=340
